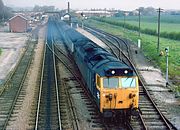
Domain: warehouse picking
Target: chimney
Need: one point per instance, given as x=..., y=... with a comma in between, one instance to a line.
x=68, y=8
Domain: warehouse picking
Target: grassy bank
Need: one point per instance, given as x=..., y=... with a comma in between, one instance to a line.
x=149, y=45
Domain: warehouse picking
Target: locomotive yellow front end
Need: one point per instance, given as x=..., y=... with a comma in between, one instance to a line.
x=118, y=93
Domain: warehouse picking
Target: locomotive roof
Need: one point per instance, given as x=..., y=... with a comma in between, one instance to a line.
x=97, y=58
x=101, y=61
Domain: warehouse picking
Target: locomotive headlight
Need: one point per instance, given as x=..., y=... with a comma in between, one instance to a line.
x=132, y=95
x=126, y=71
x=112, y=72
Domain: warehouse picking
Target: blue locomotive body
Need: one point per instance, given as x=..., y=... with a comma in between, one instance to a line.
x=113, y=84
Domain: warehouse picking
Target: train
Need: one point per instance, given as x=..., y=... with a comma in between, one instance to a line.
x=112, y=83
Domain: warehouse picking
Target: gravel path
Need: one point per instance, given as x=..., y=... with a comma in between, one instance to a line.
x=22, y=120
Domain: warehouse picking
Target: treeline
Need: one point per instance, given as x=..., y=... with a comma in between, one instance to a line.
x=5, y=12
x=171, y=35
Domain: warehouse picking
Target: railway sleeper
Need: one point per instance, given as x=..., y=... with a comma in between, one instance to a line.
x=155, y=123
x=147, y=109
x=149, y=113
x=157, y=128
x=3, y=116
x=150, y=117
x=4, y=112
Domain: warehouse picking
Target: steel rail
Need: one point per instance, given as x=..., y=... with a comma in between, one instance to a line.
x=11, y=74
x=40, y=89
x=56, y=86
x=67, y=66
x=57, y=90
x=19, y=89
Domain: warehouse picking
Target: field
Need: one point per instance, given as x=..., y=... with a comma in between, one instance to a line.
x=149, y=45
x=169, y=23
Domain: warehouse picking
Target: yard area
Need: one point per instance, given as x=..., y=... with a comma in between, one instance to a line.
x=12, y=46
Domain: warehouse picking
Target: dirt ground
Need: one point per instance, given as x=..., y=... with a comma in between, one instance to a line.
x=22, y=120
x=155, y=81
x=12, y=45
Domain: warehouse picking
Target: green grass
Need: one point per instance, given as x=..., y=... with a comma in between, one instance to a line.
x=167, y=30
x=169, y=23
x=164, y=27
x=149, y=44
x=153, y=19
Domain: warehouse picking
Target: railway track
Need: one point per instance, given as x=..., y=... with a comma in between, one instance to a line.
x=119, y=49
x=150, y=116
x=74, y=94
x=48, y=110
x=13, y=92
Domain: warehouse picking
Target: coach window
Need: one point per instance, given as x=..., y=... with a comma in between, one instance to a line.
x=110, y=82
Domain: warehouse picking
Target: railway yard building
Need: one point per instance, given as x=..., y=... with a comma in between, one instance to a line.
x=18, y=23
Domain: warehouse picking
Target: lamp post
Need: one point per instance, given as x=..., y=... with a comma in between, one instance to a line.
x=167, y=54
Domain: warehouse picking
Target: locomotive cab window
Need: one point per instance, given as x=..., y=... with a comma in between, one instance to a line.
x=128, y=82
x=110, y=82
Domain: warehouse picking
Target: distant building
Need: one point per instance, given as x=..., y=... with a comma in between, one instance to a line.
x=99, y=13
x=66, y=17
x=18, y=23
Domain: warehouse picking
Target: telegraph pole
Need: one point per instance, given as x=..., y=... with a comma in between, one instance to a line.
x=159, y=15
x=124, y=19
x=139, y=23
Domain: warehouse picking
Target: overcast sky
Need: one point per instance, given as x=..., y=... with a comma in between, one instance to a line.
x=83, y=4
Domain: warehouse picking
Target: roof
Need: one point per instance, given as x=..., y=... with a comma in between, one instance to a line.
x=67, y=15
x=18, y=16
x=101, y=61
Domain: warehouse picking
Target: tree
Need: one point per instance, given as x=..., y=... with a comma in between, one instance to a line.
x=5, y=12
x=1, y=9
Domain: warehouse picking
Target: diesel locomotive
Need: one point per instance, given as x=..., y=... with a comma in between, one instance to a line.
x=112, y=83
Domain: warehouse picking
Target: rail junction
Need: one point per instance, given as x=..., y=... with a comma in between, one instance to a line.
x=63, y=100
